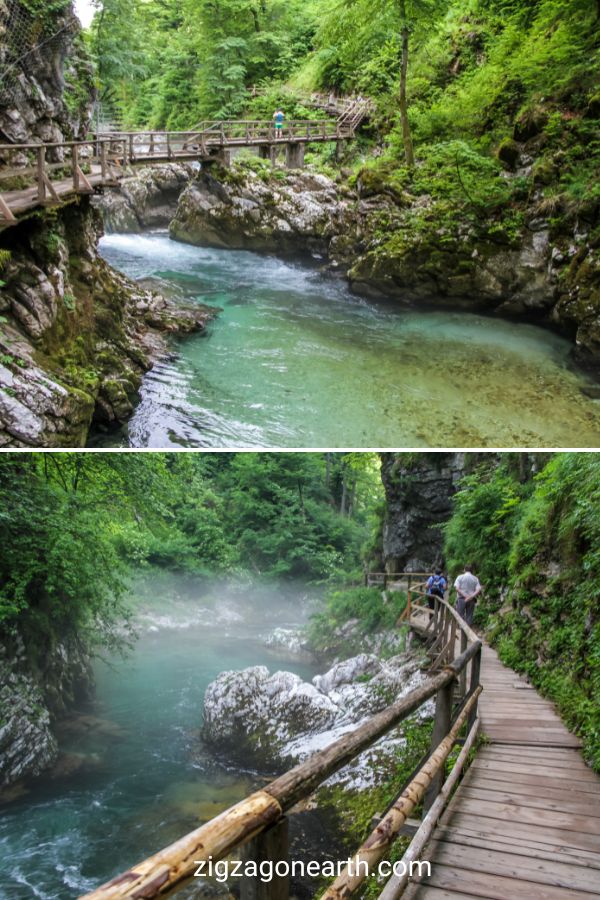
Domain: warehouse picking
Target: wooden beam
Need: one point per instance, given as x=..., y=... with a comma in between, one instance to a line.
x=6, y=211
x=174, y=864
x=381, y=839
x=395, y=886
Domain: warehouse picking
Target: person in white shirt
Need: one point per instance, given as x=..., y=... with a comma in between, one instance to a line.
x=467, y=588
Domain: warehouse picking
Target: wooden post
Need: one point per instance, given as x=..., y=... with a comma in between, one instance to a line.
x=270, y=846
x=475, y=679
x=41, y=165
x=441, y=727
x=151, y=148
x=463, y=675
x=75, y=166
x=6, y=211
x=452, y=644
x=103, y=162
x=131, y=150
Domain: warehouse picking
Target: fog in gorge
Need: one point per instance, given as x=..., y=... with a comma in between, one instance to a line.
x=134, y=774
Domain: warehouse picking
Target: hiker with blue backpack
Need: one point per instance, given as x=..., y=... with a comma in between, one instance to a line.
x=436, y=587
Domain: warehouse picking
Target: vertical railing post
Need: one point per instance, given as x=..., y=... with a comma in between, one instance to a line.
x=441, y=727
x=462, y=681
x=151, y=147
x=75, y=166
x=271, y=845
x=131, y=150
x=41, y=165
x=452, y=648
x=103, y=161
x=475, y=679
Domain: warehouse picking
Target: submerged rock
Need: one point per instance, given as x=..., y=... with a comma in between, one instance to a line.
x=270, y=722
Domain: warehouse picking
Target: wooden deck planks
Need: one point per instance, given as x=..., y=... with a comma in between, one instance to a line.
x=525, y=821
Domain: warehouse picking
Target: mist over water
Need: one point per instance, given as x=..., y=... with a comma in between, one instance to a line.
x=296, y=360
x=146, y=779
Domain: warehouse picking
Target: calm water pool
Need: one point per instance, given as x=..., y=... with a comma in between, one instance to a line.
x=296, y=360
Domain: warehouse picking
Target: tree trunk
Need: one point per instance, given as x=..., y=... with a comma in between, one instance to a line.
x=406, y=136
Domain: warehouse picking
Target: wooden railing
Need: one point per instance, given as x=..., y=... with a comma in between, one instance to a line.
x=53, y=171
x=259, y=824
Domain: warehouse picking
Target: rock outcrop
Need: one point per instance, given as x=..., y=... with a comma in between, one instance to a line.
x=244, y=209
x=418, y=490
x=33, y=696
x=269, y=722
x=43, y=55
x=148, y=199
x=368, y=234
x=75, y=336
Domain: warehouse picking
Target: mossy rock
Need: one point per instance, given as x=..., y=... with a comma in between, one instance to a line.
x=545, y=171
x=530, y=123
x=593, y=107
x=508, y=153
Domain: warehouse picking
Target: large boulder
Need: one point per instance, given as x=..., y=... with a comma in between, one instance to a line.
x=148, y=199
x=271, y=722
x=288, y=214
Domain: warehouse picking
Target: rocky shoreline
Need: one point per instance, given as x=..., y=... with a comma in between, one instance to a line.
x=34, y=696
x=75, y=337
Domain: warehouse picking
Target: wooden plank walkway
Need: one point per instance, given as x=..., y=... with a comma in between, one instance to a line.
x=525, y=821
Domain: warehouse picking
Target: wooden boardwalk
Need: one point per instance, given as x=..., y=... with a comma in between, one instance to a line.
x=525, y=821
x=106, y=157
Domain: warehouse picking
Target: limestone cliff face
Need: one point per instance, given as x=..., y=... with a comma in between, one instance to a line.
x=244, y=209
x=75, y=336
x=419, y=490
x=147, y=199
x=33, y=696
x=47, y=79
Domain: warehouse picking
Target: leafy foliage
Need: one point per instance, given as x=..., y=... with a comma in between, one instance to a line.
x=77, y=524
x=536, y=544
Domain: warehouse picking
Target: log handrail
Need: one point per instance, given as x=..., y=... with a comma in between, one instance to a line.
x=171, y=868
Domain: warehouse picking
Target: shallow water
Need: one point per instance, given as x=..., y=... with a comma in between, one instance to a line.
x=149, y=780
x=296, y=360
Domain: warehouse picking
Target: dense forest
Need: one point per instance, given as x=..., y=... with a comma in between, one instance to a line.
x=479, y=74
x=78, y=525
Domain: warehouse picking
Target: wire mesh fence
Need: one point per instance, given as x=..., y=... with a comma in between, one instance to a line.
x=30, y=39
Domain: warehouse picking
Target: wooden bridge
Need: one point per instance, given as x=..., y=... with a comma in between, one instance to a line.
x=524, y=822
x=38, y=175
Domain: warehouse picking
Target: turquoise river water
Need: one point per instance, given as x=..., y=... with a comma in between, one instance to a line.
x=146, y=779
x=296, y=360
